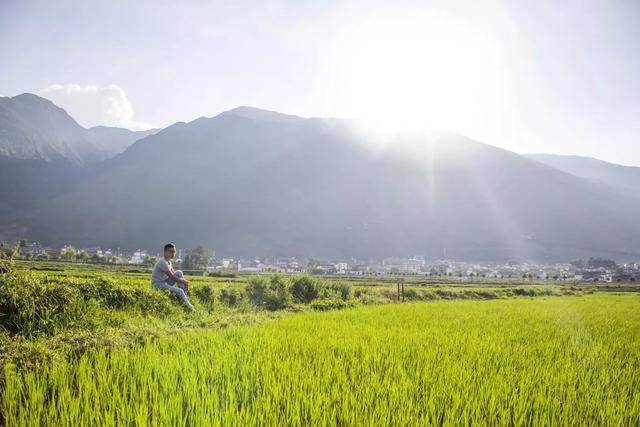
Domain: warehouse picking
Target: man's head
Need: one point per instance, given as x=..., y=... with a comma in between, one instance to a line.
x=169, y=250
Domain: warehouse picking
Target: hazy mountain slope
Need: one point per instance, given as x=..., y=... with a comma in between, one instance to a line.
x=624, y=177
x=110, y=141
x=32, y=127
x=255, y=182
x=44, y=153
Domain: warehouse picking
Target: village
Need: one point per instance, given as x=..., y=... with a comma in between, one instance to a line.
x=590, y=270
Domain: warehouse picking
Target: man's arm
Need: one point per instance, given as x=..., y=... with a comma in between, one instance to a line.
x=174, y=277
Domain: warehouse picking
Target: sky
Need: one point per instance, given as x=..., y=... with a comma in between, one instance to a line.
x=529, y=76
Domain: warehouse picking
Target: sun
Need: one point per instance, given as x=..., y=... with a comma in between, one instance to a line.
x=412, y=74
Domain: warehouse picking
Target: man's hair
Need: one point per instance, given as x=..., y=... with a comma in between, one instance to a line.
x=169, y=246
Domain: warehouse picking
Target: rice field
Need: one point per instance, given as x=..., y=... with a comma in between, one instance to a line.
x=571, y=360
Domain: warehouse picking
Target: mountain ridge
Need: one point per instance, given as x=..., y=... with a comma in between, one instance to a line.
x=309, y=187
x=253, y=181
x=44, y=152
x=619, y=176
x=33, y=127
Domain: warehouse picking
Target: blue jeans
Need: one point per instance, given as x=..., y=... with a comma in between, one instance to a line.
x=178, y=290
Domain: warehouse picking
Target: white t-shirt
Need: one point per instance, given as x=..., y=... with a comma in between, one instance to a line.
x=159, y=274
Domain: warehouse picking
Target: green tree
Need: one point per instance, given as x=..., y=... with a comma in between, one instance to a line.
x=149, y=260
x=84, y=256
x=196, y=259
x=68, y=253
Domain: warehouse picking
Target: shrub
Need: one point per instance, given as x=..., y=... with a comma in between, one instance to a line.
x=33, y=306
x=305, y=289
x=206, y=295
x=412, y=295
x=331, y=304
x=30, y=307
x=272, y=293
x=114, y=295
x=366, y=297
x=230, y=296
x=521, y=292
x=256, y=289
x=342, y=289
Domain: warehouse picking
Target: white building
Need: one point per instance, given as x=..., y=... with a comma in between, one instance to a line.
x=138, y=257
x=341, y=267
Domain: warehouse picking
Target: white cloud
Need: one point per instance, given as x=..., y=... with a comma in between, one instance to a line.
x=92, y=106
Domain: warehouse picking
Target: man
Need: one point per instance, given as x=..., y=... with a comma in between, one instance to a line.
x=164, y=276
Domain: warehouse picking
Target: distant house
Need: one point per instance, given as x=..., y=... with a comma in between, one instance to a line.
x=252, y=266
x=53, y=253
x=326, y=268
x=359, y=269
x=138, y=257
x=340, y=267
x=33, y=248
x=226, y=262
x=288, y=265
x=591, y=276
x=404, y=265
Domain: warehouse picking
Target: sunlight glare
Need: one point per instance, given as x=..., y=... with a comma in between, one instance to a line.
x=415, y=74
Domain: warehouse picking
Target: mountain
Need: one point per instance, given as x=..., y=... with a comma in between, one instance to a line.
x=109, y=141
x=44, y=152
x=34, y=128
x=250, y=181
x=623, y=177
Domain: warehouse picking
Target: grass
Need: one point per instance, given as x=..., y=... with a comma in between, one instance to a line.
x=542, y=361
x=50, y=311
x=85, y=344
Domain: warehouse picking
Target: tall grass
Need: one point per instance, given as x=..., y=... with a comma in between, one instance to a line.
x=556, y=361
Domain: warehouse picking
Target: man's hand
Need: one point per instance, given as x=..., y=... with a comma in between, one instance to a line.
x=186, y=285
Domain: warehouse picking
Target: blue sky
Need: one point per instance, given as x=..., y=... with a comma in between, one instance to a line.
x=544, y=76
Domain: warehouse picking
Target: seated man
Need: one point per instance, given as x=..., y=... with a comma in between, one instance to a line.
x=164, y=276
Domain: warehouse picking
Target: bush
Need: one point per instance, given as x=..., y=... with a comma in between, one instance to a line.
x=230, y=296
x=206, y=296
x=30, y=307
x=34, y=306
x=113, y=295
x=331, y=304
x=341, y=289
x=365, y=297
x=273, y=293
x=305, y=289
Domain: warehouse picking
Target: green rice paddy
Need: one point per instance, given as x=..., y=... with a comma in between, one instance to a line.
x=560, y=360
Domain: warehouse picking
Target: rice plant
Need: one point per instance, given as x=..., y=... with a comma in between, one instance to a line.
x=554, y=361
